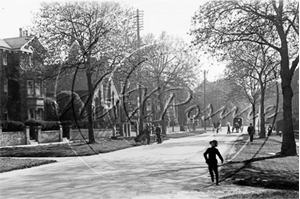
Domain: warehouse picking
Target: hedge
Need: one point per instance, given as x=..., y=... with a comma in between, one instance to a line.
x=33, y=122
x=46, y=125
x=50, y=125
x=67, y=123
x=12, y=126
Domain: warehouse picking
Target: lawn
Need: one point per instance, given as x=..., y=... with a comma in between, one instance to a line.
x=267, y=195
x=258, y=165
x=9, y=164
x=68, y=149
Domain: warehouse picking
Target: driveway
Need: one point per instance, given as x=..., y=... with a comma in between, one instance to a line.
x=173, y=169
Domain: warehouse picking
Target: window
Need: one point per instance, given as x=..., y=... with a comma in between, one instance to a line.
x=31, y=114
x=30, y=88
x=30, y=60
x=5, y=85
x=37, y=87
x=39, y=114
x=4, y=59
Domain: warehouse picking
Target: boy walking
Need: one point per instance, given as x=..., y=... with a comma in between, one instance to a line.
x=211, y=159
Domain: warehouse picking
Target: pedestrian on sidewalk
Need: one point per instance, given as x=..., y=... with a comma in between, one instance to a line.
x=269, y=130
x=251, y=132
x=211, y=159
x=158, y=133
x=228, y=128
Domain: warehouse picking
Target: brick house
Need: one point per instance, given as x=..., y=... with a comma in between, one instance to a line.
x=22, y=90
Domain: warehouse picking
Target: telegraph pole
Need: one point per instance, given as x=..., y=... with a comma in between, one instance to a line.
x=204, y=100
x=139, y=26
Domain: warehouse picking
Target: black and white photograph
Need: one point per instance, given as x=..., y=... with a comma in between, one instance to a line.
x=149, y=99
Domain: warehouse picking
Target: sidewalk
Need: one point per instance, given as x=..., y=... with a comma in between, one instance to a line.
x=279, y=139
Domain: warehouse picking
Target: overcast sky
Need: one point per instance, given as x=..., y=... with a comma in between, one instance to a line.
x=172, y=16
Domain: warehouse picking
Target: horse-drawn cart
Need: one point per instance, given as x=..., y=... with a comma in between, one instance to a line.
x=237, y=124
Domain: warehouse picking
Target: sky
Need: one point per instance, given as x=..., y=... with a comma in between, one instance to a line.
x=172, y=16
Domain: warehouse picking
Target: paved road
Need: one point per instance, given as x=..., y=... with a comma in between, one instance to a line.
x=173, y=169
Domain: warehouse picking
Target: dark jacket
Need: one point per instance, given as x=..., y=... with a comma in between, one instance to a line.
x=212, y=153
x=250, y=129
x=157, y=130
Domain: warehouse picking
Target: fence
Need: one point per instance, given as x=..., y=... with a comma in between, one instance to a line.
x=23, y=137
x=82, y=134
x=14, y=138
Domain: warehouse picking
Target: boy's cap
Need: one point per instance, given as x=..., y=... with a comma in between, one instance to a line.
x=213, y=141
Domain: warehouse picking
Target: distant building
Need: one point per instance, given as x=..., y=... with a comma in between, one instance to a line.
x=21, y=88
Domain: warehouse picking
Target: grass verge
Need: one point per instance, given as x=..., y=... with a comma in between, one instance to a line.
x=10, y=164
x=68, y=149
x=266, y=195
x=258, y=165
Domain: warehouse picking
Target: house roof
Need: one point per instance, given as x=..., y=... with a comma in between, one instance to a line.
x=3, y=44
x=16, y=43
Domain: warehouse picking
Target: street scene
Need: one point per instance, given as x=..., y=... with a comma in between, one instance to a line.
x=149, y=99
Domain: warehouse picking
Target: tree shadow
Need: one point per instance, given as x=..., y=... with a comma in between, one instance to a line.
x=246, y=174
x=168, y=171
x=248, y=161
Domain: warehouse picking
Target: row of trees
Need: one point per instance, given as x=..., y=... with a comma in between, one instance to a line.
x=260, y=41
x=100, y=39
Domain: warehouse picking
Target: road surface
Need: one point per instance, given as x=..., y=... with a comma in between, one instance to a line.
x=173, y=169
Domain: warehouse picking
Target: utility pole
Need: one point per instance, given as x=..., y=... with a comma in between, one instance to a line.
x=204, y=99
x=139, y=26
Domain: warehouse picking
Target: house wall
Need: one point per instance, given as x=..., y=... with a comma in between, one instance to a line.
x=14, y=98
x=1, y=86
x=3, y=77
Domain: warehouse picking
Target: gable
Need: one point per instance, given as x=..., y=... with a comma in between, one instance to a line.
x=17, y=43
x=24, y=44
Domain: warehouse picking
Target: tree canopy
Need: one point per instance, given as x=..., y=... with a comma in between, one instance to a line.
x=223, y=25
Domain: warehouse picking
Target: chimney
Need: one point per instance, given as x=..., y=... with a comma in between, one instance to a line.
x=20, y=32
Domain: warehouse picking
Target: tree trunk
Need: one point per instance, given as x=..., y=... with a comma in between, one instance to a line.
x=262, y=133
x=89, y=106
x=288, y=146
x=161, y=105
x=253, y=118
x=141, y=109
